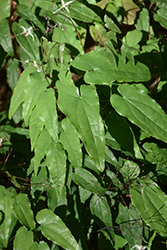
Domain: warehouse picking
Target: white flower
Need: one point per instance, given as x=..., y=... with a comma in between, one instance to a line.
x=140, y=247
x=39, y=69
x=27, y=32
x=64, y=5
x=27, y=61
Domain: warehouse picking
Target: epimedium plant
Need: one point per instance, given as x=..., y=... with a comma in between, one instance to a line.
x=85, y=144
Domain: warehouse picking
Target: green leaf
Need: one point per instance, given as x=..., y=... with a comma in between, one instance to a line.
x=107, y=72
x=67, y=36
x=101, y=210
x=141, y=110
x=143, y=23
x=46, y=106
x=36, y=84
x=12, y=72
x=22, y=209
x=155, y=154
x=6, y=206
x=151, y=204
x=41, y=246
x=56, y=162
x=87, y=181
x=83, y=13
x=69, y=139
x=130, y=224
x=5, y=38
x=111, y=25
x=35, y=127
x=26, y=42
x=120, y=130
x=54, y=229
x=54, y=201
x=18, y=94
x=161, y=17
x=25, y=13
x=130, y=170
x=82, y=110
x=5, y=9
x=132, y=38
x=23, y=239
x=109, y=157
x=41, y=147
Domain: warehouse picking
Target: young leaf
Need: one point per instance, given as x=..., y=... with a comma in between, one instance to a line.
x=56, y=162
x=83, y=113
x=23, y=239
x=46, y=106
x=54, y=229
x=23, y=211
x=69, y=139
x=141, y=110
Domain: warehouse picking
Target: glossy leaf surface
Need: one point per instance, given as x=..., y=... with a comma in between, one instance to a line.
x=54, y=229
x=23, y=211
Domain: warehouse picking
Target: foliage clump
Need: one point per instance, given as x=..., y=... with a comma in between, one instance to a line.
x=83, y=138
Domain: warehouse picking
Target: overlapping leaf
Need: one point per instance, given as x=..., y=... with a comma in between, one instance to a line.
x=83, y=112
x=69, y=139
x=141, y=110
x=101, y=210
x=151, y=203
x=87, y=181
x=101, y=69
x=46, y=106
x=56, y=162
x=35, y=127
